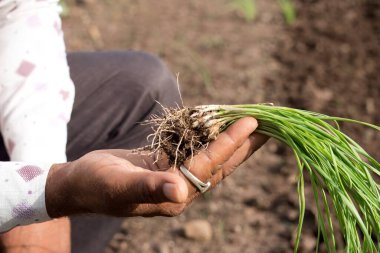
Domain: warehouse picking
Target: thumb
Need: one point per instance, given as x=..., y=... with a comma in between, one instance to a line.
x=158, y=187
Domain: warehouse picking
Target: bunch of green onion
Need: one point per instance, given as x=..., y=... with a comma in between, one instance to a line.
x=336, y=165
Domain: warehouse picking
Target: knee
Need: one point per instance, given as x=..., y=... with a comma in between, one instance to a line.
x=150, y=76
x=157, y=80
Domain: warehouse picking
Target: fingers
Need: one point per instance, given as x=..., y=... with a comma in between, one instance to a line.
x=158, y=187
x=253, y=143
x=162, y=209
x=150, y=187
x=220, y=150
x=152, y=191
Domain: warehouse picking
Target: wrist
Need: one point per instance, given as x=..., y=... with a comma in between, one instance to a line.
x=59, y=191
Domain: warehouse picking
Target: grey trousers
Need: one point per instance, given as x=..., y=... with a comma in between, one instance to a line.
x=115, y=92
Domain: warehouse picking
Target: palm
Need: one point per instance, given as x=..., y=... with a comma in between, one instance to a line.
x=125, y=183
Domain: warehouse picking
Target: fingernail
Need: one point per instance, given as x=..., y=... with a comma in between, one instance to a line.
x=170, y=192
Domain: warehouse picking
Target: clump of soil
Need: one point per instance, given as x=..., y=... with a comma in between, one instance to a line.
x=182, y=132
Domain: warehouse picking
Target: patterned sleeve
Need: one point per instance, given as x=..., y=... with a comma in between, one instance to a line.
x=22, y=195
x=36, y=98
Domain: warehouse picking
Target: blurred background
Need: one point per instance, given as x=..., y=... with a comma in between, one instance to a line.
x=319, y=55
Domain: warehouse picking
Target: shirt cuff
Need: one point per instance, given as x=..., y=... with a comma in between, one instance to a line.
x=22, y=194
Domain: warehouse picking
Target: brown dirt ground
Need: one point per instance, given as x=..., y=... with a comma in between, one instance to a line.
x=327, y=61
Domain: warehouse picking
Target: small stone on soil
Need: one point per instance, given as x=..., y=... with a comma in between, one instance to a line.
x=198, y=230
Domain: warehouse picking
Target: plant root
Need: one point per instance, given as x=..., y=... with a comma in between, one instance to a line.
x=181, y=133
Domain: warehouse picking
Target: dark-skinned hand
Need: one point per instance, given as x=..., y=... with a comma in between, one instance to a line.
x=126, y=183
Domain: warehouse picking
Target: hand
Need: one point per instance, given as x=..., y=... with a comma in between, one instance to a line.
x=125, y=183
x=38, y=238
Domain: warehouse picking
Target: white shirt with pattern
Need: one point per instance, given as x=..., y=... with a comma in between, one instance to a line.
x=36, y=98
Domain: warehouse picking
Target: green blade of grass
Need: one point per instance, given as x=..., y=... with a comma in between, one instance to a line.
x=336, y=164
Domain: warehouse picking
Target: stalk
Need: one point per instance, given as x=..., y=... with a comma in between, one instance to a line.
x=336, y=164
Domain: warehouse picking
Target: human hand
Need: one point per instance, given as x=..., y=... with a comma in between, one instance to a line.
x=46, y=237
x=125, y=183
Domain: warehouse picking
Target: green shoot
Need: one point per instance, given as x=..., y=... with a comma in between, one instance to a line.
x=337, y=165
x=247, y=7
x=288, y=11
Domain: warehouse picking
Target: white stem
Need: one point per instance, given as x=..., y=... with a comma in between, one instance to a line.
x=212, y=122
x=208, y=117
x=207, y=108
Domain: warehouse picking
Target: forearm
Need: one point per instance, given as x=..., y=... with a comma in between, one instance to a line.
x=22, y=182
x=52, y=236
x=22, y=194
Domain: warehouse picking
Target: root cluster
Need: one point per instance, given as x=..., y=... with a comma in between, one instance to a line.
x=182, y=132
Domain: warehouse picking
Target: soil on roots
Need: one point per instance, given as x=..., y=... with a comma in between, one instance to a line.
x=181, y=133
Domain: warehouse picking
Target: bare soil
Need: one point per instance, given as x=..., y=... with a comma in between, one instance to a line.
x=327, y=61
